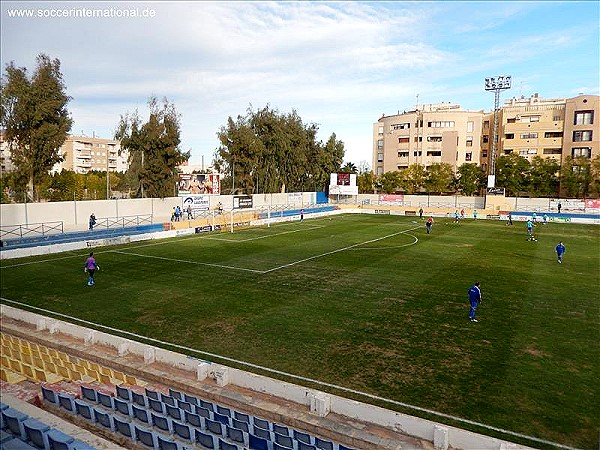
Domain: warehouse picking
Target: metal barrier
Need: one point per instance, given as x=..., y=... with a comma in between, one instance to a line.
x=124, y=221
x=32, y=229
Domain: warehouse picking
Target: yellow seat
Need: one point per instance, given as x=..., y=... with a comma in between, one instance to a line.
x=133, y=381
x=4, y=362
x=65, y=373
x=51, y=351
x=119, y=375
x=15, y=365
x=27, y=359
x=11, y=377
x=105, y=379
x=37, y=362
x=81, y=376
x=46, y=377
x=28, y=371
x=93, y=373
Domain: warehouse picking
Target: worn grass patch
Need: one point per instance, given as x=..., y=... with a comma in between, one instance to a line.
x=370, y=304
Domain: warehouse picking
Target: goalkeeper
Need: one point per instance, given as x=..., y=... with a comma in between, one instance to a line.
x=90, y=267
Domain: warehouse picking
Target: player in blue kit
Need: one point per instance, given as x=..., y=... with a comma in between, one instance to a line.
x=560, y=250
x=474, y=299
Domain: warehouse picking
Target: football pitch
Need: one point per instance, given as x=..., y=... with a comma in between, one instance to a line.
x=370, y=303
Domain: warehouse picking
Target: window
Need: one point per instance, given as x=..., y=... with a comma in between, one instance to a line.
x=584, y=118
x=441, y=124
x=403, y=140
x=528, y=151
x=469, y=142
x=484, y=154
x=379, y=157
x=419, y=153
x=509, y=136
x=434, y=139
x=582, y=136
x=403, y=154
x=419, y=139
x=434, y=153
x=529, y=136
x=556, y=119
x=401, y=126
x=553, y=134
x=486, y=139
x=469, y=127
x=508, y=151
x=511, y=120
x=528, y=119
x=586, y=152
x=468, y=156
x=552, y=151
x=380, y=143
x=380, y=130
x=486, y=124
x=380, y=171
x=402, y=167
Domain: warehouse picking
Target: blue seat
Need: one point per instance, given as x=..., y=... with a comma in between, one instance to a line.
x=83, y=409
x=277, y=446
x=66, y=402
x=146, y=437
x=193, y=419
x=175, y=394
x=16, y=444
x=35, y=432
x=262, y=433
x=89, y=394
x=123, y=427
x=106, y=400
x=152, y=394
x=13, y=421
x=190, y=399
x=185, y=406
x=183, y=431
x=240, y=425
x=49, y=395
x=156, y=405
x=280, y=429
x=214, y=427
x=161, y=422
x=302, y=437
x=257, y=443
x=204, y=439
x=205, y=404
x=57, y=440
x=221, y=418
x=264, y=424
x=123, y=407
x=104, y=419
x=123, y=393
x=139, y=399
x=241, y=417
x=223, y=411
x=174, y=412
x=167, y=400
x=166, y=443
x=305, y=446
x=235, y=434
x=323, y=444
x=226, y=446
x=203, y=412
x=283, y=440
x=141, y=414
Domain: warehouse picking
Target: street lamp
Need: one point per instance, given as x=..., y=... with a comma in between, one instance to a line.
x=495, y=84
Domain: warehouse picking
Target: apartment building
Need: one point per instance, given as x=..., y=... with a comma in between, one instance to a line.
x=582, y=127
x=432, y=133
x=83, y=154
x=6, y=164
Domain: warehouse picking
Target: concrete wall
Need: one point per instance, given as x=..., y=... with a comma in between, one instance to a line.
x=320, y=403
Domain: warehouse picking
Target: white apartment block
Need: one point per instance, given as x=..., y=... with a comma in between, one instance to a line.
x=83, y=154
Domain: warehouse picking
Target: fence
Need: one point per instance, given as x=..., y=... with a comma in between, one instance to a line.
x=31, y=230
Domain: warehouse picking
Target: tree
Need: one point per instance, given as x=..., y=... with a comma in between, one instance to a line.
x=349, y=168
x=154, y=153
x=512, y=173
x=470, y=178
x=576, y=177
x=266, y=151
x=595, y=187
x=439, y=178
x=389, y=182
x=35, y=118
x=543, y=177
x=366, y=182
x=413, y=178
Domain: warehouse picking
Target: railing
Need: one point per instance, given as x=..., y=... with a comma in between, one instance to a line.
x=124, y=221
x=35, y=229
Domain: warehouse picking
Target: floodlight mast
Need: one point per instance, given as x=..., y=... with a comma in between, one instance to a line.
x=496, y=84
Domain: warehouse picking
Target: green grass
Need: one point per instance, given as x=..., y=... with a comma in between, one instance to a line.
x=389, y=317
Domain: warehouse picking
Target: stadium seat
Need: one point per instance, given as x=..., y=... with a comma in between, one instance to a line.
x=283, y=440
x=204, y=439
x=16, y=444
x=257, y=443
x=185, y=406
x=244, y=426
x=323, y=444
x=305, y=446
x=277, y=446
x=123, y=393
x=152, y=394
x=302, y=437
x=139, y=399
x=123, y=427
x=165, y=443
x=174, y=412
x=146, y=437
x=66, y=402
x=262, y=433
x=193, y=419
x=105, y=419
x=10, y=377
x=235, y=435
x=84, y=410
x=205, y=404
x=214, y=427
x=225, y=420
x=123, y=407
x=203, y=412
x=89, y=393
x=161, y=422
x=264, y=424
x=142, y=414
x=49, y=395
x=156, y=405
x=280, y=429
x=183, y=431
x=35, y=432
x=57, y=440
x=175, y=394
x=241, y=417
x=167, y=399
x=13, y=421
x=226, y=446
x=106, y=400
x=222, y=410
x=190, y=399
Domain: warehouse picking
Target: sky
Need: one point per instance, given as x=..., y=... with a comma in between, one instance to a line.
x=341, y=65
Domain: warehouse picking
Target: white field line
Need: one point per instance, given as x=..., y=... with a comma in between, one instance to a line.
x=416, y=239
x=186, y=261
x=284, y=266
x=141, y=338
x=214, y=238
